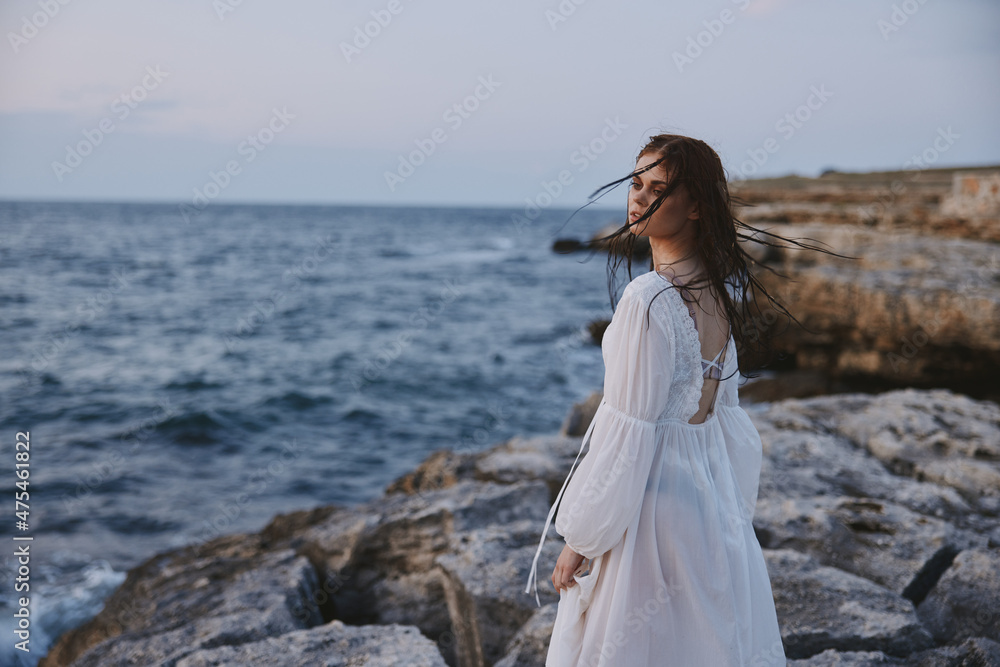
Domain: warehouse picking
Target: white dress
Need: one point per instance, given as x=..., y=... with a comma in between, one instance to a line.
x=663, y=507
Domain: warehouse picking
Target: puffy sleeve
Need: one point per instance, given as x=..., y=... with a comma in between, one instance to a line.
x=606, y=491
x=745, y=451
x=743, y=442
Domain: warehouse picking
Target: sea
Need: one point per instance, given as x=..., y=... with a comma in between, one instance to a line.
x=175, y=375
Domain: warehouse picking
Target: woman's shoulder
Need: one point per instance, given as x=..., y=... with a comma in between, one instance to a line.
x=646, y=286
x=646, y=290
x=640, y=285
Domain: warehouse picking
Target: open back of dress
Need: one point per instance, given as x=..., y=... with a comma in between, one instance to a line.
x=711, y=368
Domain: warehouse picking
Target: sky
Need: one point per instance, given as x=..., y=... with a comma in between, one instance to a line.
x=414, y=102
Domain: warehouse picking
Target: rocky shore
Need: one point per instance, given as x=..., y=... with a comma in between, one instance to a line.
x=878, y=509
x=879, y=516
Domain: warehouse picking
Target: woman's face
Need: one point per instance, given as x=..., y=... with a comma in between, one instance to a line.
x=674, y=217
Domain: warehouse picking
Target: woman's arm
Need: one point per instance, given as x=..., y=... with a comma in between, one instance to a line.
x=606, y=491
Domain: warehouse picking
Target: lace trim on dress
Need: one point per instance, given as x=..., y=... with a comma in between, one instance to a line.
x=692, y=345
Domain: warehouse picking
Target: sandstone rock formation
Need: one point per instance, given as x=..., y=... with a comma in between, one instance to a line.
x=918, y=307
x=911, y=310
x=951, y=203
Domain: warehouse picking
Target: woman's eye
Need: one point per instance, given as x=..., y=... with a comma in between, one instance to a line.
x=633, y=184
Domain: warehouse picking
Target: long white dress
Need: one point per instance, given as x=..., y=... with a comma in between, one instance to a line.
x=663, y=507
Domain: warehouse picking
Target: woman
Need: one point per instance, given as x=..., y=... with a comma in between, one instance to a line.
x=662, y=504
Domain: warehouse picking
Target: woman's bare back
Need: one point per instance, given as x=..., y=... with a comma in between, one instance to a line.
x=713, y=334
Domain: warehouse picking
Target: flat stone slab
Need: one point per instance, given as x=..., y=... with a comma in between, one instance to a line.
x=330, y=645
x=821, y=607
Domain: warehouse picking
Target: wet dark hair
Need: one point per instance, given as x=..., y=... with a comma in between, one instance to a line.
x=696, y=165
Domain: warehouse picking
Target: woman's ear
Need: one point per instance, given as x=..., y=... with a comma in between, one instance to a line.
x=695, y=212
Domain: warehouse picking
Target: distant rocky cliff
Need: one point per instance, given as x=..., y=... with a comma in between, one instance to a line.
x=920, y=306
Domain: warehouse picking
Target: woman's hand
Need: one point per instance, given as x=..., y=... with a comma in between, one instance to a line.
x=567, y=565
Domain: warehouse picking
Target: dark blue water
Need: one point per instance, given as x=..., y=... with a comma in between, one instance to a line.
x=185, y=380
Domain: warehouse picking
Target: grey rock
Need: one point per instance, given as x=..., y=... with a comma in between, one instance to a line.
x=885, y=543
x=581, y=414
x=821, y=607
x=966, y=600
x=834, y=658
x=206, y=601
x=541, y=457
x=330, y=645
x=545, y=457
x=805, y=455
x=975, y=652
x=394, y=573
x=937, y=436
x=530, y=645
x=488, y=604
x=933, y=451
